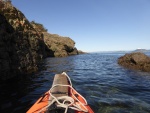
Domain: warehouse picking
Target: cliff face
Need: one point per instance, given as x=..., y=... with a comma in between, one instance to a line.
x=24, y=44
x=21, y=46
x=61, y=46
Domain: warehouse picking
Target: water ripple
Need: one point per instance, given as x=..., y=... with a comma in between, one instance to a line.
x=108, y=87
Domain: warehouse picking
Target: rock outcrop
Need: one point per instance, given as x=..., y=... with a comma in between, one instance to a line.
x=81, y=52
x=137, y=61
x=24, y=44
x=21, y=46
x=61, y=46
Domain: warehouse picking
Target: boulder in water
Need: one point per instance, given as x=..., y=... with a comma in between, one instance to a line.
x=137, y=61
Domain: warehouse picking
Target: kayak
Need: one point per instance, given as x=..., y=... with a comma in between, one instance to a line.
x=61, y=98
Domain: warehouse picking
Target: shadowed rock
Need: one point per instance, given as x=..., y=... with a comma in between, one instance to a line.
x=21, y=46
x=24, y=44
x=137, y=61
x=61, y=46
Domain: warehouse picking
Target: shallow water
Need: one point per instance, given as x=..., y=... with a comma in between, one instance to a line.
x=108, y=87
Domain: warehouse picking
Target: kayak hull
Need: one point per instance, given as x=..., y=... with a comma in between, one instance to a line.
x=44, y=100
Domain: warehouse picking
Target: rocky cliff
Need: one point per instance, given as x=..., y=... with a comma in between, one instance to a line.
x=59, y=45
x=23, y=46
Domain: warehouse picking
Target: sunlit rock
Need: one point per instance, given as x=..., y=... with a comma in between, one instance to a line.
x=137, y=61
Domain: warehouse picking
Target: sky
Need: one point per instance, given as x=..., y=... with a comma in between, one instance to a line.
x=94, y=25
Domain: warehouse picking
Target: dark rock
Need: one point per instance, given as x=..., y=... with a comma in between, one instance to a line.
x=21, y=46
x=61, y=46
x=138, y=61
x=74, y=51
x=24, y=44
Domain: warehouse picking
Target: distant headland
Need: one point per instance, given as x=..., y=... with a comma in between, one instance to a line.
x=141, y=50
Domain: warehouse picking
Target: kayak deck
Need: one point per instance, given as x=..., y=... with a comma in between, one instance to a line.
x=61, y=89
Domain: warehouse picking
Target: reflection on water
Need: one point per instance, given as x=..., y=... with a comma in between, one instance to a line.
x=108, y=87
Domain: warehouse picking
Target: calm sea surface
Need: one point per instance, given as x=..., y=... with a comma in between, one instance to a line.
x=108, y=87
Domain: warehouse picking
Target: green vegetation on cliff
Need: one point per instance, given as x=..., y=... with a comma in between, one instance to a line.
x=38, y=26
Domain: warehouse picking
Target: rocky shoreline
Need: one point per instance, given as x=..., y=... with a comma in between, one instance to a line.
x=136, y=61
x=24, y=44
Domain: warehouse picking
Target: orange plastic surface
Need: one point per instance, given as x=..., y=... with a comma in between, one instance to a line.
x=43, y=101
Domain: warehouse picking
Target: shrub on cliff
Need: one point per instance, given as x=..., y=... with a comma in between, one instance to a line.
x=38, y=26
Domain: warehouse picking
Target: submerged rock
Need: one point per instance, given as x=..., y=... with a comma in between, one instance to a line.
x=137, y=61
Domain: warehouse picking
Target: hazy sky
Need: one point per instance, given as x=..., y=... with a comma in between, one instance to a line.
x=95, y=25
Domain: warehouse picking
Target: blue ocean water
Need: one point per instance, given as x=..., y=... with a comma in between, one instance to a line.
x=107, y=86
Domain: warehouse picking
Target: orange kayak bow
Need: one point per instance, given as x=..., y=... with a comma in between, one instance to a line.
x=61, y=98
